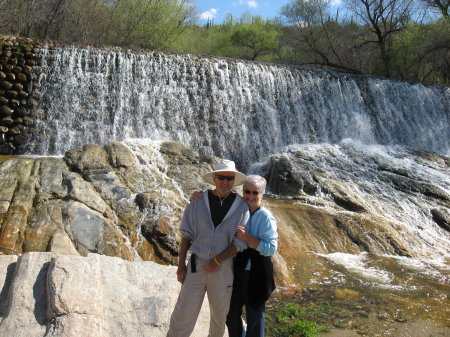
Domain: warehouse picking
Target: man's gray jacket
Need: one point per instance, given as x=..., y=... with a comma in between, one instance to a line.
x=208, y=241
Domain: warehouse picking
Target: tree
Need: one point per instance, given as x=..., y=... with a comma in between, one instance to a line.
x=254, y=40
x=440, y=5
x=422, y=53
x=314, y=38
x=384, y=18
x=305, y=13
x=139, y=23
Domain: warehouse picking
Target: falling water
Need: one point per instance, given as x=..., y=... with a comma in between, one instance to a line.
x=234, y=109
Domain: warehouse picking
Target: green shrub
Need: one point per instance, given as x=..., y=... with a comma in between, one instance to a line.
x=292, y=320
x=299, y=328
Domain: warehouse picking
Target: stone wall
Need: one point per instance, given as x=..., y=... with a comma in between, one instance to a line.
x=18, y=63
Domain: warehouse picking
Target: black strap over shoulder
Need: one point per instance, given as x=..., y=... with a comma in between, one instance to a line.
x=193, y=264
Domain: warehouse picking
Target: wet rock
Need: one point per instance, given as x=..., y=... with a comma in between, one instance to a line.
x=6, y=121
x=22, y=94
x=145, y=200
x=281, y=178
x=20, y=140
x=442, y=218
x=120, y=155
x=6, y=148
x=347, y=295
x=4, y=206
x=90, y=157
x=27, y=121
x=408, y=185
x=85, y=224
x=82, y=191
x=343, y=195
x=6, y=110
x=186, y=166
x=16, y=130
x=18, y=86
x=30, y=102
x=11, y=93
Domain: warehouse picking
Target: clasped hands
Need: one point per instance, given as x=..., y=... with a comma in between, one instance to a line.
x=212, y=266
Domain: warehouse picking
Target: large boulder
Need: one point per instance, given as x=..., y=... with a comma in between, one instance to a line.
x=96, y=296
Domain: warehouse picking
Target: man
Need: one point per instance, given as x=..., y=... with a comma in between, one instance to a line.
x=208, y=232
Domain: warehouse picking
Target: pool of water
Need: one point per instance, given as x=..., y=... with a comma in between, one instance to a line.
x=371, y=295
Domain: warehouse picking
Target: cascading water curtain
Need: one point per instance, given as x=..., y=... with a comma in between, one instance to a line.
x=235, y=109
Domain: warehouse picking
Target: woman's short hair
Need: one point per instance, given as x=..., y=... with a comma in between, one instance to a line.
x=258, y=181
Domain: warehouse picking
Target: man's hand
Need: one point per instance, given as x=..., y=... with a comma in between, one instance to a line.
x=197, y=195
x=211, y=267
x=181, y=273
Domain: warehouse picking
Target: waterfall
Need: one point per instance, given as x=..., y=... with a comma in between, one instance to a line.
x=359, y=205
x=236, y=109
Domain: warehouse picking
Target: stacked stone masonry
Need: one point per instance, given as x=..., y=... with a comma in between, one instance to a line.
x=19, y=65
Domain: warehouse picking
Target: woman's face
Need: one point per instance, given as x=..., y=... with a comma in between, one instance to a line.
x=252, y=197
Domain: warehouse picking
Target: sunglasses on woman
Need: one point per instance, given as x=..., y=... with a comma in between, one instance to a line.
x=251, y=192
x=221, y=177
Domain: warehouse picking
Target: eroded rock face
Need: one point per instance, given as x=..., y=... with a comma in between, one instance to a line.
x=123, y=199
x=60, y=296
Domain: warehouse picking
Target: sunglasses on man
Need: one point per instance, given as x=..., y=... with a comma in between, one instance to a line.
x=221, y=177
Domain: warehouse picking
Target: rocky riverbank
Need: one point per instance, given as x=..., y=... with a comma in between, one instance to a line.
x=364, y=230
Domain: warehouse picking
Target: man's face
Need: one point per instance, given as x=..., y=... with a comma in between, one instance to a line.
x=224, y=182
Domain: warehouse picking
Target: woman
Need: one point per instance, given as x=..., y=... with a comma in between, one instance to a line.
x=253, y=269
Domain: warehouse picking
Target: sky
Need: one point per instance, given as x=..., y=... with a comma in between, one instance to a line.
x=217, y=10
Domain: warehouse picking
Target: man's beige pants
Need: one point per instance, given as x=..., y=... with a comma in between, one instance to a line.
x=218, y=286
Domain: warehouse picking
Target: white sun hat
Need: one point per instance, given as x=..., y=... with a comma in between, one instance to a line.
x=225, y=166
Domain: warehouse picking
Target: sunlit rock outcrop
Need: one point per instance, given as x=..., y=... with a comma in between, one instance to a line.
x=124, y=200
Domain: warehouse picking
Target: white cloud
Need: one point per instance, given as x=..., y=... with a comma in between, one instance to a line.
x=251, y=3
x=208, y=15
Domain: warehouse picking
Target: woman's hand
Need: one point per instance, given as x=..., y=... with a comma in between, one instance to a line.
x=244, y=235
x=181, y=273
x=241, y=233
x=197, y=195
